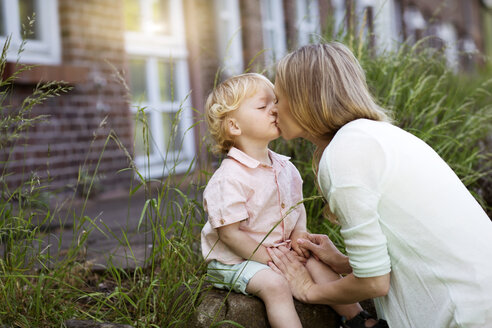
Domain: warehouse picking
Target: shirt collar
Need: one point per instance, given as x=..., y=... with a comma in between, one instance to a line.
x=250, y=162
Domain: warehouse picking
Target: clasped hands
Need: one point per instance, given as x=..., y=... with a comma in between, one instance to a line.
x=291, y=263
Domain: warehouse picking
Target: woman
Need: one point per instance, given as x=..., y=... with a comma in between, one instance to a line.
x=416, y=239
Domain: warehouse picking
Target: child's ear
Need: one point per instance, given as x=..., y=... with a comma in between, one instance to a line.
x=233, y=127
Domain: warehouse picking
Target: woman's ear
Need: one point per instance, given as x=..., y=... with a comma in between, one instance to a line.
x=233, y=127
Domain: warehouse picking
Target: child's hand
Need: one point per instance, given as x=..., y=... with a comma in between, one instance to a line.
x=301, y=251
x=285, y=250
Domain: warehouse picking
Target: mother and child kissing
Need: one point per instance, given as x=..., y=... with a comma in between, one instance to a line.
x=254, y=202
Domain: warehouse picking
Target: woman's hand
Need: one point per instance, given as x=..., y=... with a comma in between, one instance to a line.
x=323, y=249
x=286, y=263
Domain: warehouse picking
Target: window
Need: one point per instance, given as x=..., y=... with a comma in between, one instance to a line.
x=386, y=16
x=364, y=13
x=339, y=13
x=230, y=48
x=307, y=21
x=158, y=75
x=397, y=24
x=415, y=23
x=37, y=20
x=447, y=33
x=273, y=30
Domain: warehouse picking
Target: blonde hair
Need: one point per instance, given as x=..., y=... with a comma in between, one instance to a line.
x=226, y=97
x=326, y=88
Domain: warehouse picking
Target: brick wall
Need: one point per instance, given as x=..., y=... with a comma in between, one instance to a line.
x=203, y=62
x=252, y=34
x=92, y=38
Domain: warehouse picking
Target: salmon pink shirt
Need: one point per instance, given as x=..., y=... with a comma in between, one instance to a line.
x=257, y=195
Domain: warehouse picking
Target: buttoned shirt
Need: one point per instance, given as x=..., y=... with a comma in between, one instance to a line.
x=265, y=199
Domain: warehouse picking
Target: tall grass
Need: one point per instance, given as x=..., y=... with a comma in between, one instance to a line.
x=40, y=289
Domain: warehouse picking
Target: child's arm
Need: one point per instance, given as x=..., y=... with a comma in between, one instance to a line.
x=242, y=244
x=300, y=232
x=294, y=236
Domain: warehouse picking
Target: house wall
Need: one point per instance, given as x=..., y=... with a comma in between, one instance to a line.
x=252, y=34
x=464, y=15
x=92, y=52
x=203, y=62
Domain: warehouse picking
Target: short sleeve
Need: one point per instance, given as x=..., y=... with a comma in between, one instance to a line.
x=225, y=201
x=352, y=174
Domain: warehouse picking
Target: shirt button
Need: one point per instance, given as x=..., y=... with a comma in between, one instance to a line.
x=222, y=221
x=282, y=205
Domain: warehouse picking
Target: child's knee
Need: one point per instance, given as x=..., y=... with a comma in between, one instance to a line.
x=269, y=285
x=277, y=287
x=279, y=283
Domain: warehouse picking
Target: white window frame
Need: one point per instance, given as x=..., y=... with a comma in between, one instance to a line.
x=447, y=33
x=273, y=51
x=152, y=48
x=229, y=41
x=308, y=23
x=360, y=10
x=46, y=50
x=387, y=25
x=339, y=13
x=414, y=20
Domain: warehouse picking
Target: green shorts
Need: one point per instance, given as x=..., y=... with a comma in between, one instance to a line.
x=233, y=276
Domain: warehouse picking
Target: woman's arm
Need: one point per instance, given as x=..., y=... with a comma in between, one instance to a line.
x=349, y=289
x=242, y=244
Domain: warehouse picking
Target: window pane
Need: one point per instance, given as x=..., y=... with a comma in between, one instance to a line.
x=269, y=10
x=166, y=80
x=138, y=80
x=171, y=132
x=132, y=15
x=29, y=19
x=2, y=19
x=143, y=138
x=161, y=17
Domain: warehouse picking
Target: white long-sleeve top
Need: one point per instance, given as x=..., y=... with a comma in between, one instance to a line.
x=403, y=210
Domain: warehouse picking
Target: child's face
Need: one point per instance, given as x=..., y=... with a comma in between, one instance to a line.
x=255, y=117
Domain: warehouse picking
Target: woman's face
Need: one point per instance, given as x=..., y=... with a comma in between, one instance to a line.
x=288, y=125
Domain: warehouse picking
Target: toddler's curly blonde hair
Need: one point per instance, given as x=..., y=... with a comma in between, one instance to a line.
x=226, y=97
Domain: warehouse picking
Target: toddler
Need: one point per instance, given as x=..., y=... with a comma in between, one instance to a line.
x=253, y=201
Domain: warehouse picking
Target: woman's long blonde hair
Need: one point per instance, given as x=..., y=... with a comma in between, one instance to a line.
x=326, y=88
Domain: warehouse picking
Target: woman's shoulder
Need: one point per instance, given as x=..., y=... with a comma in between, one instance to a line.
x=366, y=127
x=357, y=147
x=356, y=133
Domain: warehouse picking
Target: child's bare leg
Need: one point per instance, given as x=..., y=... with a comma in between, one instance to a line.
x=274, y=290
x=321, y=273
